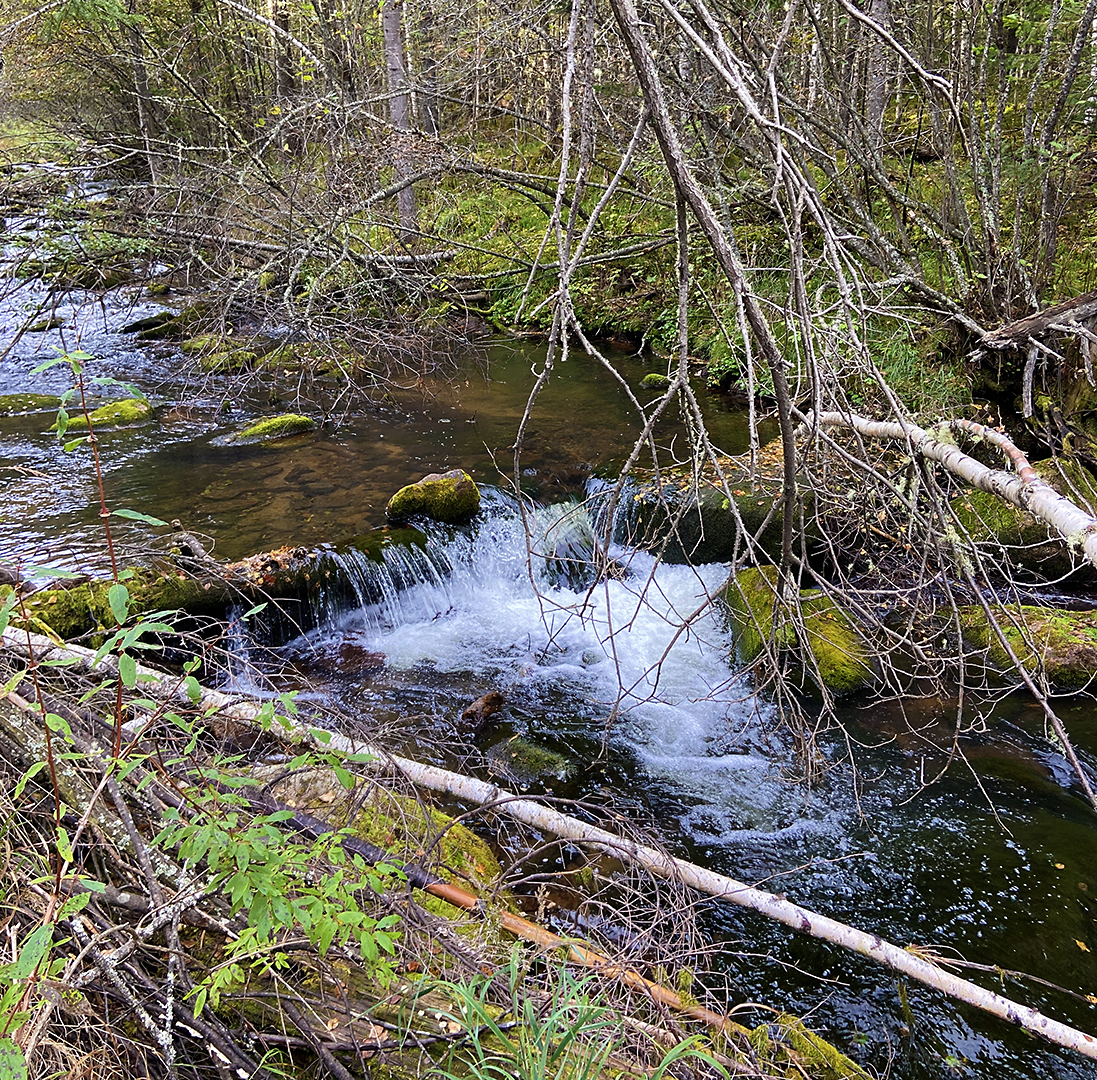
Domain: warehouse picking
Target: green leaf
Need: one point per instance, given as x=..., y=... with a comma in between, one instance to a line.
x=72, y=444
x=32, y=952
x=13, y=1065
x=62, y=422
x=344, y=777
x=29, y=775
x=127, y=670
x=118, y=596
x=133, y=515
x=64, y=844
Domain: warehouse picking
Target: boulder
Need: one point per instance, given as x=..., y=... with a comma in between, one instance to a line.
x=114, y=414
x=655, y=381
x=842, y=658
x=448, y=497
x=1021, y=538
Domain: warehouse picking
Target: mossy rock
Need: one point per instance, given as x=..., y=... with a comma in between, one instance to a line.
x=655, y=381
x=1062, y=644
x=274, y=427
x=173, y=326
x=412, y=831
x=203, y=343
x=14, y=404
x=84, y=609
x=525, y=761
x=283, y=356
x=1024, y=539
x=696, y=523
x=448, y=497
x=842, y=659
x=229, y=360
x=119, y=413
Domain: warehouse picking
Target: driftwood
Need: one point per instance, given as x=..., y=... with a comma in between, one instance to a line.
x=910, y=962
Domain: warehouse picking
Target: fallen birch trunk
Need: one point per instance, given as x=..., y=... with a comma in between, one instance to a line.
x=1023, y=488
x=656, y=862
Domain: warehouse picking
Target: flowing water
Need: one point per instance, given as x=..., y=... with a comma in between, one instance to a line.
x=626, y=677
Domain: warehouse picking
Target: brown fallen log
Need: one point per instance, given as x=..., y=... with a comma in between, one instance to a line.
x=913, y=964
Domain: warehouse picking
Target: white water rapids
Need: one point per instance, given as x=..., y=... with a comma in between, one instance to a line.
x=640, y=656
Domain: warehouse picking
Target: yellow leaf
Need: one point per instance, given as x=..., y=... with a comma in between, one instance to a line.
x=1091, y=999
x=1060, y=866
x=1081, y=945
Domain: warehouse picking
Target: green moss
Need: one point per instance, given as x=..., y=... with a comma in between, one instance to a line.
x=113, y=414
x=655, y=381
x=84, y=609
x=1061, y=644
x=284, y=356
x=814, y=1055
x=448, y=497
x=275, y=427
x=527, y=761
x=203, y=343
x=1021, y=537
x=228, y=360
x=43, y=325
x=11, y=404
x=412, y=831
x=841, y=655
x=172, y=326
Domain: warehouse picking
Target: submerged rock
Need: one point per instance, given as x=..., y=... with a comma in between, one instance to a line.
x=1059, y=644
x=524, y=761
x=655, y=381
x=842, y=660
x=274, y=427
x=43, y=325
x=448, y=497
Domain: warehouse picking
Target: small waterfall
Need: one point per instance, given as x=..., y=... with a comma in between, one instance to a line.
x=579, y=641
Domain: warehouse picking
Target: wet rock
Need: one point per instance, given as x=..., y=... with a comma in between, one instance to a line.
x=655, y=381
x=43, y=325
x=482, y=710
x=1059, y=644
x=842, y=659
x=274, y=427
x=448, y=497
x=1023, y=539
x=228, y=360
x=203, y=343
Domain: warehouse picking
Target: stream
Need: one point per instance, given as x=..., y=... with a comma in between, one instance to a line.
x=647, y=717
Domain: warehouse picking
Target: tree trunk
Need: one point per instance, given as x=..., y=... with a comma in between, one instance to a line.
x=392, y=14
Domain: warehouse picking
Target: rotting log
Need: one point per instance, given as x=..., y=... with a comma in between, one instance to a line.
x=909, y=962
